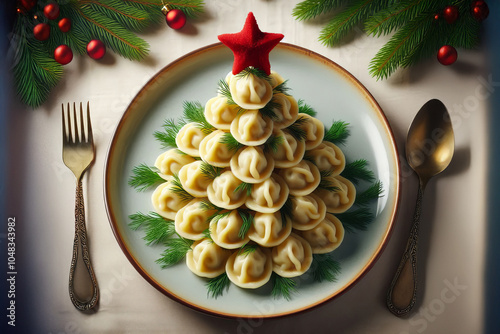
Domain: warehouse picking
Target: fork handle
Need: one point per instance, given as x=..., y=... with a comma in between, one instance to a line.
x=80, y=244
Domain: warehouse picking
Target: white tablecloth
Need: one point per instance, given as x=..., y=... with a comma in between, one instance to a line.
x=39, y=192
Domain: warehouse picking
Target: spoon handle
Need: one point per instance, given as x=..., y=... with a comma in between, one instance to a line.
x=402, y=292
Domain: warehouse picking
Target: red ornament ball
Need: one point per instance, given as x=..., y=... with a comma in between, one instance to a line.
x=96, y=49
x=175, y=18
x=480, y=10
x=450, y=14
x=51, y=11
x=28, y=4
x=447, y=55
x=63, y=54
x=64, y=24
x=41, y=31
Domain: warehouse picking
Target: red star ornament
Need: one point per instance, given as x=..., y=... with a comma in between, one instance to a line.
x=251, y=46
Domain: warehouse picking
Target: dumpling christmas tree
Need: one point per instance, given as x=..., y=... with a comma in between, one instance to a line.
x=253, y=189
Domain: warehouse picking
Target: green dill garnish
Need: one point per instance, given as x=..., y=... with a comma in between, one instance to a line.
x=178, y=189
x=286, y=211
x=209, y=171
x=217, y=285
x=231, y=143
x=357, y=171
x=158, y=229
x=282, y=88
x=169, y=133
x=218, y=215
x=247, y=219
x=272, y=143
x=144, y=177
x=246, y=187
x=337, y=133
x=282, y=286
x=268, y=109
x=194, y=112
x=327, y=181
x=225, y=91
x=253, y=71
x=324, y=268
x=207, y=235
x=358, y=219
x=247, y=249
x=176, y=249
x=208, y=206
x=305, y=108
x=296, y=129
x=370, y=194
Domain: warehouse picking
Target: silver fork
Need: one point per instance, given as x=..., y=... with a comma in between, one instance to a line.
x=78, y=155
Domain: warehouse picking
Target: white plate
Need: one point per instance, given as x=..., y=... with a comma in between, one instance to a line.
x=331, y=91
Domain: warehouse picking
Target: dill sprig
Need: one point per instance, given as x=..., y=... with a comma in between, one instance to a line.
x=358, y=219
x=357, y=171
x=337, y=133
x=268, y=109
x=324, y=268
x=286, y=211
x=209, y=171
x=144, y=177
x=224, y=90
x=209, y=206
x=169, y=133
x=282, y=88
x=217, y=285
x=296, y=129
x=283, y=286
x=231, y=143
x=207, y=235
x=247, y=218
x=304, y=108
x=158, y=229
x=373, y=192
x=178, y=189
x=176, y=249
x=247, y=249
x=246, y=187
x=272, y=143
x=250, y=70
x=194, y=112
x=327, y=182
x=218, y=216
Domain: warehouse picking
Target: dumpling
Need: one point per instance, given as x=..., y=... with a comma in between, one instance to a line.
x=207, y=259
x=251, y=128
x=192, y=220
x=222, y=191
x=251, y=165
x=275, y=79
x=314, y=128
x=290, y=151
x=325, y=237
x=286, y=110
x=307, y=211
x=225, y=231
x=213, y=151
x=302, y=179
x=171, y=162
x=188, y=139
x=193, y=180
x=342, y=198
x=166, y=202
x=269, y=230
x=268, y=196
x=250, y=91
x=327, y=157
x=219, y=113
x=293, y=257
x=250, y=269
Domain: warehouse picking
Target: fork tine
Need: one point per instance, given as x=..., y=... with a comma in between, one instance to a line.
x=82, y=128
x=65, y=138
x=90, y=136
x=77, y=138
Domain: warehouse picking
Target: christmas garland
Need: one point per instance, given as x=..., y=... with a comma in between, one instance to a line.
x=47, y=33
x=421, y=28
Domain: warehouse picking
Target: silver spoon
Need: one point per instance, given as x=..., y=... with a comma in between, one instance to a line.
x=429, y=148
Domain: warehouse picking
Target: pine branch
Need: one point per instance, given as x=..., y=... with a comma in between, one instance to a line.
x=144, y=177
x=158, y=229
x=194, y=112
x=192, y=8
x=337, y=133
x=324, y=268
x=217, y=285
x=130, y=17
x=175, y=251
x=356, y=220
x=283, y=286
x=370, y=194
x=358, y=171
x=309, y=9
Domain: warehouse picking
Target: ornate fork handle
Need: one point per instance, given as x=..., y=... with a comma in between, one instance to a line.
x=80, y=244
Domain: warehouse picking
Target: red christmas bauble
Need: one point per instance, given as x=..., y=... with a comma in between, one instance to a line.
x=450, y=14
x=51, y=11
x=28, y=4
x=63, y=54
x=175, y=18
x=41, y=31
x=64, y=24
x=480, y=10
x=447, y=55
x=96, y=49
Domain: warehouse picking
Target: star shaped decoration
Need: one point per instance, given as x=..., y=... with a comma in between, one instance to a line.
x=251, y=46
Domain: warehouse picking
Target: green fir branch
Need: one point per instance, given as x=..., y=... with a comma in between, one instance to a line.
x=372, y=193
x=176, y=249
x=309, y=9
x=192, y=8
x=283, y=287
x=356, y=220
x=217, y=285
x=337, y=133
x=158, y=229
x=144, y=177
x=324, y=268
x=130, y=17
x=304, y=108
x=195, y=112
x=358, y=171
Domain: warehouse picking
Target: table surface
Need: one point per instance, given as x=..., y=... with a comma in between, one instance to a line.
x=456, y=256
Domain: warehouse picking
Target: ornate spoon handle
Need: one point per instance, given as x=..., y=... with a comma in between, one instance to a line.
x=402, y=292
x=80, y=244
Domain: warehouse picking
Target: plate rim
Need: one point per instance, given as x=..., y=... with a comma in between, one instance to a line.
x=374, y=257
